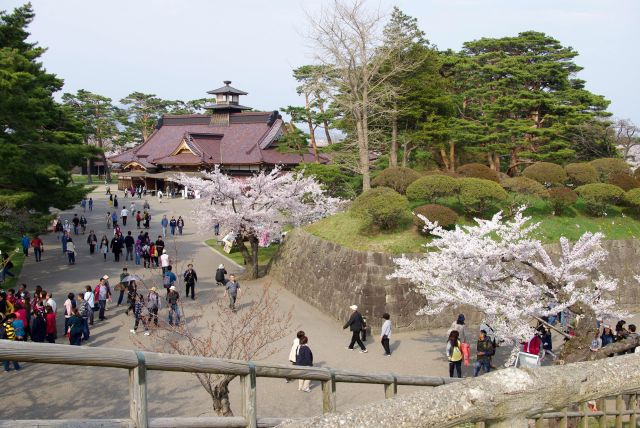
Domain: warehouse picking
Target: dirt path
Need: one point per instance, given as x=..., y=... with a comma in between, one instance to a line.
x=50, y=391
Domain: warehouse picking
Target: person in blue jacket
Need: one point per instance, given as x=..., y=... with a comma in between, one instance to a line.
x=304, y=358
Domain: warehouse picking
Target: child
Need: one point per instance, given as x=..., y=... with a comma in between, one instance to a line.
x=137, y=314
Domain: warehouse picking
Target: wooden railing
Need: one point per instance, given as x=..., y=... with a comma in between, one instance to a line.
x=139, y=362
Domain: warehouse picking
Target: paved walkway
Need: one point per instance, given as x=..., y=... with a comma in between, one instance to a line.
x=51, y=391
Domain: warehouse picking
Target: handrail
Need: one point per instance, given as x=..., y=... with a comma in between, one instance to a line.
x=139, y=362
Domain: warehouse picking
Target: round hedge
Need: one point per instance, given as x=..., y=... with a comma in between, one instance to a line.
x=444, y=216
x=607, y=167
x=633, y=197
x=476, y=194
x=477, y=170
x=598, y=196
x=397, y=179
x=562, y=197
x=432, y=186
x=581, y=173
x=624, y=181
x=546, y=173
x=440, y=172
x=525, y=186
x=383, y=208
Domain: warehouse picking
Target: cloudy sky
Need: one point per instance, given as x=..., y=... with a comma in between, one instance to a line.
x=180, y=49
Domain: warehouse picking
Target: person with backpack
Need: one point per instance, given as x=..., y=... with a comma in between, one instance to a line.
x=454, y=353
x=190, y=278
x=8, y=332
x=304, y=358
x=484, y=350
x=355, y=324
x=83, y=310
x=220, y=273
x=153, y=305
x=169, y=279
x=76, y=328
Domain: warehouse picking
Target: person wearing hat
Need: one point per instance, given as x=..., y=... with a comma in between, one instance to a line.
x=153, y=305
x=220, y=273
x=355, y=325
x=172, y=300
x=385, y=334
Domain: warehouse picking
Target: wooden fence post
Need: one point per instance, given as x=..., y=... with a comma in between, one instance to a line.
x=619, y=410
x=249, y=402
x=138, y=393
x=602, y=406
x=564, y=421
x=584, y=419
x=391, y=389
x=329, y=393
x=633, y=406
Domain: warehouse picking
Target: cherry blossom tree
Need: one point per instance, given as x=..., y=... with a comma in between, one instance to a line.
x=257, y=205
x=496, y=267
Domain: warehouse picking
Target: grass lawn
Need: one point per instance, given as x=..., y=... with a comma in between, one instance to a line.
x=619, y=223
x=264, y=254
x=82, y=179
x=17, y=259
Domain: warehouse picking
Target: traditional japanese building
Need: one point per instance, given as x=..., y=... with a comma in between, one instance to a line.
x=241, y=141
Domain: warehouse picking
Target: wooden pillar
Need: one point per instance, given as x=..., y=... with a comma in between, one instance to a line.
x=249, y=401
x=391, y=389
x=633, y=406
x=138, y=393
x=329, y=393
x=602, y=406
x=584, y=419
x=619, y=410
x=564, y=421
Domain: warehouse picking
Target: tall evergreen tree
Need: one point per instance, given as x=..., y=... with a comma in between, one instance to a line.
x=140, y=115
x=39, y=141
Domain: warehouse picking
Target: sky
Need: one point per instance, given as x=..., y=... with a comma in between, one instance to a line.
x=180, y=49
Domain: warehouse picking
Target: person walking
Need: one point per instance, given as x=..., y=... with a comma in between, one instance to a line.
x=90, y=298
x=122, y=285
x=83, y=204
x=484, y=352
x=83, y=224
x=69, y=306
x=71, y=252
x=220, y=273
x=172, y=300
x=10, y=334
x=38, y=246
x=124, y=213
x=159, y=244
x=103, y=294
x=180, y=224
x=116, y=247
x=104, y=246
x=92, y=240
x=108, y=217
x=190, y=278
x=25, y=245
x=385, y=334
x=153, y=305
x=76, y=224
x=172, y=225
x=128, y=244
x=169, y=279
x=293, y=352
x=164, y=260
x=114, y=219
x=454, y=353
x=90, y=204
x=164, y=223
x=137, y=251
x=458, y=325
x=138, y=219
x=115, y=201
x=138, y=306
x=38, y=327
x=355, y=326
x=83, y=310
x=232, y=289
x=51, y=330
x=304, y=359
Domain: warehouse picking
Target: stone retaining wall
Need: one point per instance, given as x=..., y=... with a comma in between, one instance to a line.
x=332, y=277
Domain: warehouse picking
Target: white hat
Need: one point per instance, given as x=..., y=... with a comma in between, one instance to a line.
x=105, y=277
x=164, y=251
x=353, y=307
x=221, y=266
x=173, y=287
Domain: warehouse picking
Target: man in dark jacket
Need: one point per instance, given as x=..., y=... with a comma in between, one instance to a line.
x=190, y=279
x=355, y=324
x=485, y=351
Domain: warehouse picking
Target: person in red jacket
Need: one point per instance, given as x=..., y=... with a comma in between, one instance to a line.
x=533, y=346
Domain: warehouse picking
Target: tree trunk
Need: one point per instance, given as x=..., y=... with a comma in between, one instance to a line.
x=406, y=151
x=490, y=159
x=445, y=159
x=577, y=348
x=393, y=152
x=253, y=240
x=250, y=257
x=363, y=156
x=513, y=162
x=312, y=134
x=452, y=156
x=220, y=397
x=325, y=122
x=89, y=179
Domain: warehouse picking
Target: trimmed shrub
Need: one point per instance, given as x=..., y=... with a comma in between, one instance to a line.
x=476, y=194
x=546, y=173
x=632, y=197
x=607, y=167
x=446, y=217
x=561, y=198
x=598, y=196
x=581, y=173
x=431, y=187
x=477, y=170
x=440, y=172
x=525, y=186
x=383, y=208
x=397, y=179
x=624, y=181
